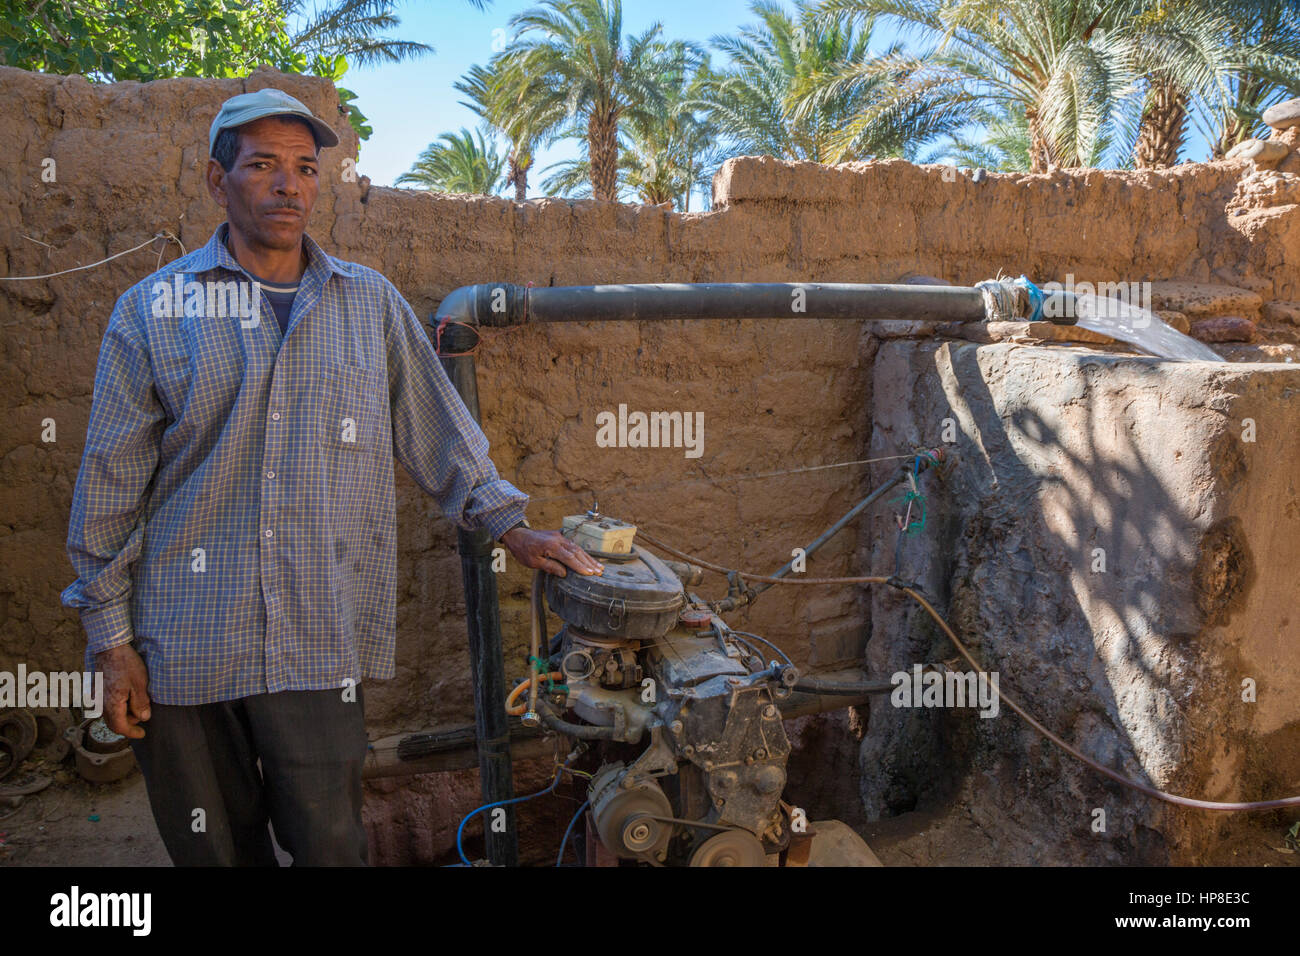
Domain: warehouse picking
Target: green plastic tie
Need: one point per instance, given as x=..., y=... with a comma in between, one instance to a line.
x=917, y=526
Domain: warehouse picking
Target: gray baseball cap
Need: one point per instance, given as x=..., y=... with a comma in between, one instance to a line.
x=247, y=107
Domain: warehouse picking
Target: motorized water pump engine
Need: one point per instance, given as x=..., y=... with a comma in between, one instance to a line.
x=685, y=713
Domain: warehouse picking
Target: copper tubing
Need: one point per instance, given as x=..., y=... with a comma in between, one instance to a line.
x=961, y=649
x=534, y=646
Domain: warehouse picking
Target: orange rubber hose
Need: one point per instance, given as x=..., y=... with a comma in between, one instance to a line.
x=516, y=709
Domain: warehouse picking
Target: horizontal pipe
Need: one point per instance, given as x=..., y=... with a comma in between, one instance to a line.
x=831, y=690
x=802, y=704
x=755, y=300
x=854, y=686
x=499, y=304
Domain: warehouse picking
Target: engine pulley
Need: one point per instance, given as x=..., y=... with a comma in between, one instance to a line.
x=730, y=848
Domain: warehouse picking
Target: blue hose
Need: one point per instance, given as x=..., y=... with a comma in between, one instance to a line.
x=460, y=830
x=559, y=857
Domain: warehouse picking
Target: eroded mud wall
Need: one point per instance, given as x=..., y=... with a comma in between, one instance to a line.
x=1118, y=541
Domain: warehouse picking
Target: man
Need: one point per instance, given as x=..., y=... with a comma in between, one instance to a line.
x=233, y=525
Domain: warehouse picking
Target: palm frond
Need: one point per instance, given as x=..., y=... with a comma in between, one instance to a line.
x=356, y=29
x=457, y=163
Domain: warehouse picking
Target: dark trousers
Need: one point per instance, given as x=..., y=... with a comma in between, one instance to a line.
x=212, y=801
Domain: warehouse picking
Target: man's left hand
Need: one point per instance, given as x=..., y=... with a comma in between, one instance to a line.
x=549, y=551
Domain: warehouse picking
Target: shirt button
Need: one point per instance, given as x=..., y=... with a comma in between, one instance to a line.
x=270, y=474
x=275, y=416
x=270, y=533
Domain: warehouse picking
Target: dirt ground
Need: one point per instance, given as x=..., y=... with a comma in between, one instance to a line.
x=953, y=838
x=75, y=823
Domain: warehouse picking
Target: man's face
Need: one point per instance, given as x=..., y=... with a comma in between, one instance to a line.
x=270, y=190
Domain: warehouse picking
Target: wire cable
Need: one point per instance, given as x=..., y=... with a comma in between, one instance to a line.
x=783, y=655
x=51, y=275
x=654, y=542
x=606, y=490
x=1115, y=775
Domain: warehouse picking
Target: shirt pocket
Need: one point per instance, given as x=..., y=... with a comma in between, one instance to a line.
x=350, y=412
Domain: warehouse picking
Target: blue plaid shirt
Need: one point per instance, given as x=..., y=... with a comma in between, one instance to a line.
x=234, y=516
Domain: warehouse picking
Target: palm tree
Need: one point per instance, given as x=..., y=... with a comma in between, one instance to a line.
x=667, y=157
x=1265, y=38
x=807, y=87
x=495, y=93
x=574, y=62
x=1185, y=53
x=663, y=158
x=657, y=164
x=461, y=163
x=349, y=31
x=1064, y=64
x=643, y=173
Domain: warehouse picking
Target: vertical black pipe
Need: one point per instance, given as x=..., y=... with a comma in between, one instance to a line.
x=482, y=616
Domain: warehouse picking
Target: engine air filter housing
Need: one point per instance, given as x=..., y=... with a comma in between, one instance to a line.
x=634, y=599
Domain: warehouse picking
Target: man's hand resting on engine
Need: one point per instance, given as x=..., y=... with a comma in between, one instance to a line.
x=126, y=690
x=549, y=551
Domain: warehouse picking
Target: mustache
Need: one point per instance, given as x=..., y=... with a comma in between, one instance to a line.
x=285, y=204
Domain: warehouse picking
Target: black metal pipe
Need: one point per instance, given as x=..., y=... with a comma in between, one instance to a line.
x=581, y=731
x=497, y=304
x=829, y=533
x=439, y=750
x=482, y=616
x=853, y=687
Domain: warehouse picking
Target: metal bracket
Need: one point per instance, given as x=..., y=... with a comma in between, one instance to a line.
x=657, y=759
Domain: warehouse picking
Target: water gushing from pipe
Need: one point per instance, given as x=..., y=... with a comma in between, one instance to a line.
x=1140, y=327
